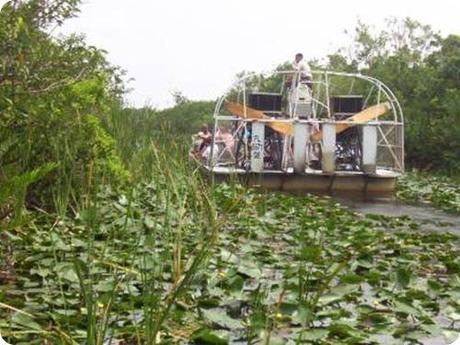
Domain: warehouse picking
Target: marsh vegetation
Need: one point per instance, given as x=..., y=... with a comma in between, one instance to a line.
x=110, y=236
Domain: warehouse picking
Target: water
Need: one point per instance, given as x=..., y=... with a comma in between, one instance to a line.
x=429, y=218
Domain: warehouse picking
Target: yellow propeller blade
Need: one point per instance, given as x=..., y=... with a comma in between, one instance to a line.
x=363, y=116
x=250, y=113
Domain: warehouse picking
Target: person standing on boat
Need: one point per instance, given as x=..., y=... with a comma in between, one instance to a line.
x=304, y=70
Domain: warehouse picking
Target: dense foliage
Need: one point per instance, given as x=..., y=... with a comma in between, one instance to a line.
x=280, y=270
x=165, y=129
x=423, y=69
x=51, y=92
x=440, y=191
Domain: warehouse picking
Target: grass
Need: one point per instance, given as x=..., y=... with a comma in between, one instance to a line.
x=79, y=267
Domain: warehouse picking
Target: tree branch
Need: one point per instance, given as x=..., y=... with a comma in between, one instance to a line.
x=61, y=83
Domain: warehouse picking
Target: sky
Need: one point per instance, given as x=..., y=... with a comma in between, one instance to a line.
x=198, y=46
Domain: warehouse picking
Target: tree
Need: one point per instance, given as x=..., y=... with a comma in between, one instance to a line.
x=50, y=88
x=179, y=97
x=422, y=68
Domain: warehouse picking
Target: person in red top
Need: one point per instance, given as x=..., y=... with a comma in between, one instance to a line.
x=205, y=136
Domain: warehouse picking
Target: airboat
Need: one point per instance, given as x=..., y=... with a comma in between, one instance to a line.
x=337, y=133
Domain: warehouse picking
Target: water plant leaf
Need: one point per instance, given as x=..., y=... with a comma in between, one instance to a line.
x=405, y=308
x=205, y=335
x=314, y=334
x=402, y=278
x=220, y=318
x=25, y=321
x=67, y=271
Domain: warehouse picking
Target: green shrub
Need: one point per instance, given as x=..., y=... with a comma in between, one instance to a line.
x=99, y=152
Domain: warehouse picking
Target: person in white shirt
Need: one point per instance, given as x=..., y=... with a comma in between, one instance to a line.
x=304, y=70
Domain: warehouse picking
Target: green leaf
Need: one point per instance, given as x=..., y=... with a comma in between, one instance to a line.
x=433, y=329
x=402, y=278
x=58, y=243
x=67, y=271
x=311, y=253
x=25, y=321
x=452, y=337
x=105, y=285
x=275, y=340
x=249, y=269
x=454, y=316
x=219, y=317
x=415, y=335
x=329, y=298
x=404, y=308
x=314, y=334
x=352, y=278
x=207, y=336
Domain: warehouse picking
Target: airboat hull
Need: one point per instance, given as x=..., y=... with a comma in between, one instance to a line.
x=382, y=183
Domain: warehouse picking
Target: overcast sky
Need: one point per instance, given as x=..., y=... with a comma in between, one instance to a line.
x=197, y=46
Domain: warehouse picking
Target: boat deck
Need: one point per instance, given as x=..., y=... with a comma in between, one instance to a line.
x=383, y=182
x=380, y=173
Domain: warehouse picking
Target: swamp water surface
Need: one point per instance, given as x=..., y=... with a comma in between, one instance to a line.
x=429, y=219
x=426, y=219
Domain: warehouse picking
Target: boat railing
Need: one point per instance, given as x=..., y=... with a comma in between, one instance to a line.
x=369, y=147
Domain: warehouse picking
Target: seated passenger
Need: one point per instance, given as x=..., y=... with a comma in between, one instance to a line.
x=201, y=140
x=226, y=143
x=205, y=136
x=225, y=137
x=206, y=154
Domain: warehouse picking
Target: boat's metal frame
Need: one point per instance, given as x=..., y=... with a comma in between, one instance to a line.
x=383, y=137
